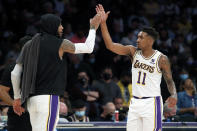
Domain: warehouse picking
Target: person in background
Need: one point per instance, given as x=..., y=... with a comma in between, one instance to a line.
x=108, y=112
x=182, y=77
x=125, y=87
x=108, y=89
x=187, y=102
x=123, y=110
x=79, y=109
x=63, y=113
x=84, y=90
x=15, y=122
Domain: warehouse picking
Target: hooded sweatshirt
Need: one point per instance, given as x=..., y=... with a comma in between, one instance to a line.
x=43, y=71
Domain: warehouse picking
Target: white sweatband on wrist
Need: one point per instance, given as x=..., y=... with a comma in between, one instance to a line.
x=88, y=46
x=16, y=80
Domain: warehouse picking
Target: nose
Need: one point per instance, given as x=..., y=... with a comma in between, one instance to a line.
x=138, y=40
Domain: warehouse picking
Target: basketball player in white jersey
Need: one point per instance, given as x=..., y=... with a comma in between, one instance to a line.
x=148, y=66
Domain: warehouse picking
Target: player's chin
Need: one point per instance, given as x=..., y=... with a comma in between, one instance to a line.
x=138, y=46
x=60, y=34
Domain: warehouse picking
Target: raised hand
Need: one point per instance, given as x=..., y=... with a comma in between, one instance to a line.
x=100, y=10
x=95, y=21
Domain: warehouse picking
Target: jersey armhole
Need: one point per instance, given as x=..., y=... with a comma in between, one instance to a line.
x=157, y=64
x=133, y=57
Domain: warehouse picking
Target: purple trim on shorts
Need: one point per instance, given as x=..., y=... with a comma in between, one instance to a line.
x=158, y=116
x=53, y=111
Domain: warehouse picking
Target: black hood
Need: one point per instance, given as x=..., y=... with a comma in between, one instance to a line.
x=50, y=23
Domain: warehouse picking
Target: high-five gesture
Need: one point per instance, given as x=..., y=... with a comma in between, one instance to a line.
x=100, y=10
x=95, y=21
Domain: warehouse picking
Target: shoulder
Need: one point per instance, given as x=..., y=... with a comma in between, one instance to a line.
x=112, y=83
x=163, y=61
x=97, y=82
x=133, y=50
x=163, y=58
x=27, y=45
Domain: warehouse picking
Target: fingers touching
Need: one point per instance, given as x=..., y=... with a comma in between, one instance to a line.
x=100, y=17
x=100, y=10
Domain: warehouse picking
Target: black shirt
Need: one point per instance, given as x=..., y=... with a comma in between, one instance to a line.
x=51, y=69
x=107, y=91
x=6, y=78
x=15, y=122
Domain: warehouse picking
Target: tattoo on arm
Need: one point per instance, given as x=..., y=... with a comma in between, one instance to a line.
x=67, y=46
x=165, y=67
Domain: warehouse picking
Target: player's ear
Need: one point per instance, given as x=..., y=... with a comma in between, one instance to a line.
x=90, y=20
x=150, y=39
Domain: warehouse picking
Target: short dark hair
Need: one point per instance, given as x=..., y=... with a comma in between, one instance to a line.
x=151, y=31
x=79, y=103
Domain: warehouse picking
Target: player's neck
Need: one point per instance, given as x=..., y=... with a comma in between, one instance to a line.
x=148, y=52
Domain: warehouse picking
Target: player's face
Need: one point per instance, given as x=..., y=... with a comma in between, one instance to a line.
x=142, y=40
x=60, y=30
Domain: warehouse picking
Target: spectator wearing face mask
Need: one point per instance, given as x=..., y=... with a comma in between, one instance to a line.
x=187, y=102
x=108, y=89
x=79, y=112
x=84, y=91
x=125, y=87
x=182, y=77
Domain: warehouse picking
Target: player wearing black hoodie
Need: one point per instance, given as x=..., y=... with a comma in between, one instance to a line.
x=43, y=71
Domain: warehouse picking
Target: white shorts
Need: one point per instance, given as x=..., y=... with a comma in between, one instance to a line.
x=145, y=114
x=44, y=112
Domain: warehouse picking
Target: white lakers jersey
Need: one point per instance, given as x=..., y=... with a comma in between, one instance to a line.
x=146, y=75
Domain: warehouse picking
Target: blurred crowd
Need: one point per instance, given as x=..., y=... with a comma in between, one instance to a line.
x=100, y=83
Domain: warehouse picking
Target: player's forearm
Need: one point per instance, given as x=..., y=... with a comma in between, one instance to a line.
x=171, y=88
x=76, y=48
x=88, y=46
x=93, y=94
x=16, y=79
x=165, y=66
x=106, y=36
x=5, y=97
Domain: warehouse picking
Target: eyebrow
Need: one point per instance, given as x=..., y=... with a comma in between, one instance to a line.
x=141, y=36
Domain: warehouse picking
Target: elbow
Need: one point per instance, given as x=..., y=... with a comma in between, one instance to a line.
x=90, y=51
x=109, y=45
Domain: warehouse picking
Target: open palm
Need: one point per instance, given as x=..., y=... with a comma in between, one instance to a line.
x=100, y=10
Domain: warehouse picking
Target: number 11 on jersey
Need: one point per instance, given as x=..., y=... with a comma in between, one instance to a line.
x=139, y=78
